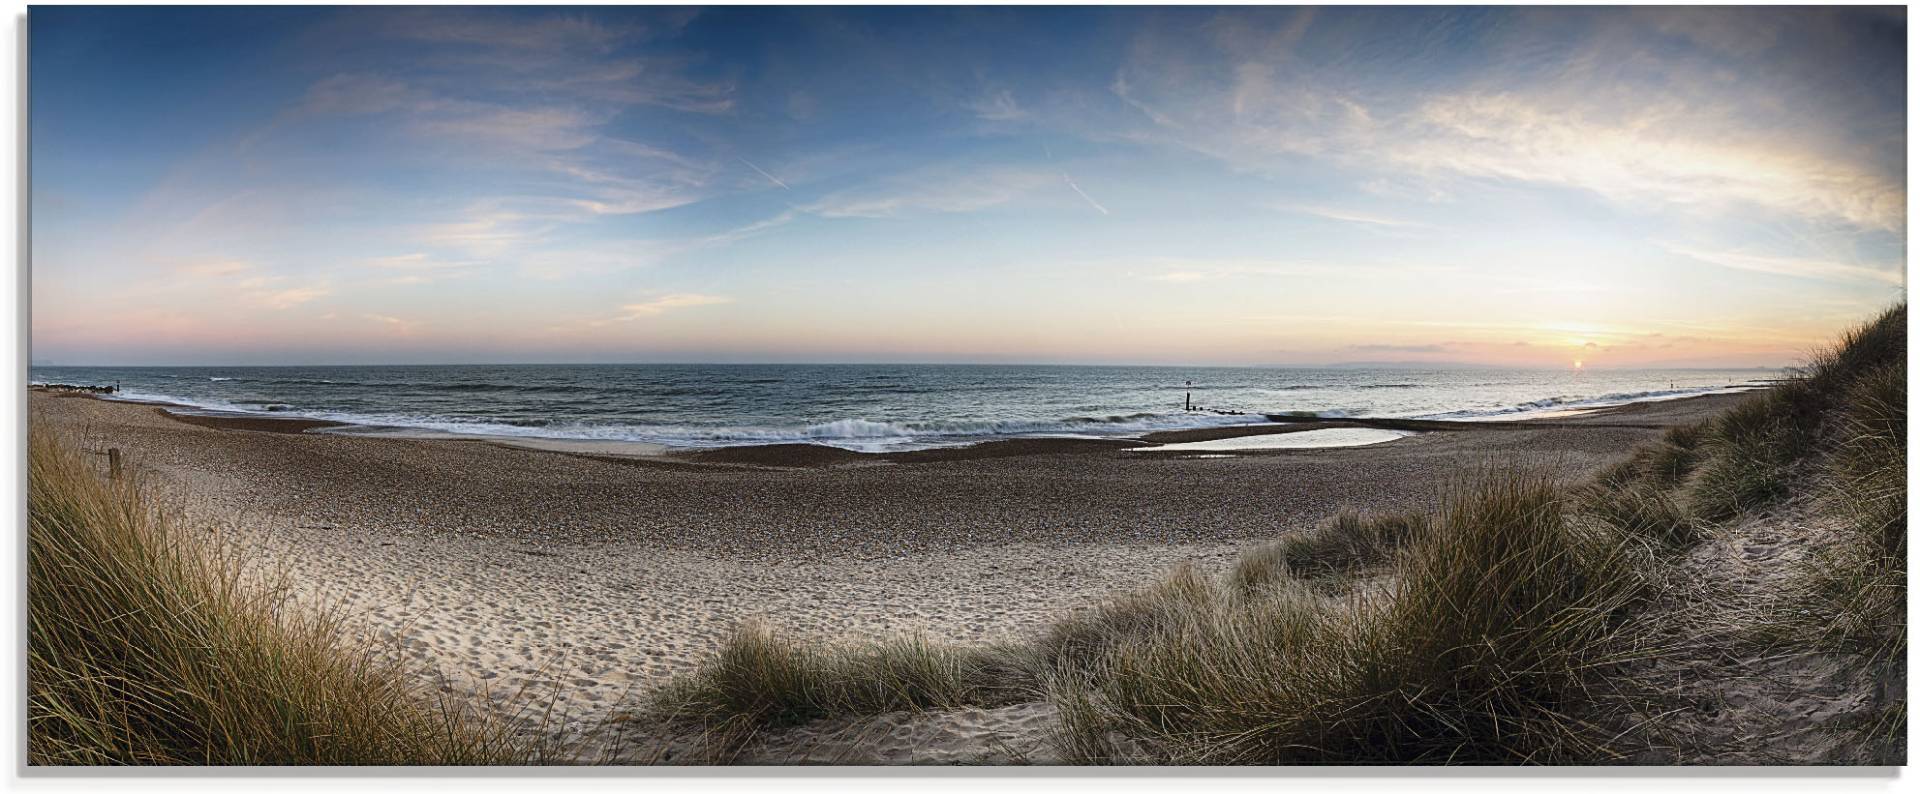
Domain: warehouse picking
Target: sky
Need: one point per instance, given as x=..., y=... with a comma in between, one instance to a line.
x=1247, y=186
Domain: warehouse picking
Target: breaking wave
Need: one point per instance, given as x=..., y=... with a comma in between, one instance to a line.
x=855, y=434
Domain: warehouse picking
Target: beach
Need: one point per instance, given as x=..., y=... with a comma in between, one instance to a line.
x=579, y=581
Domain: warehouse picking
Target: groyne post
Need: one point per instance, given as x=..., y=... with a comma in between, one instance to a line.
x=113, y=463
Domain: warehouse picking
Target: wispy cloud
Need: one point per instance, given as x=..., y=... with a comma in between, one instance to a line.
x=395, y=324
x=561, y=55
x=216, y=268
x=291, y=297
x=441, y=117
x=671, y=302
x=1349, y=216
x=1182, y=271
x=494, y=31
x=413, y=261
x=351, y=94
x=537, y=129
x=1668, y=154
x=997, y=106
x=1646, y=128
x=539, y=103
x=749, y=230
x=1415, y=349
x=1820, y=269
x=487, y=229
x=634, y=179
x=946, y=189
x=244, y=282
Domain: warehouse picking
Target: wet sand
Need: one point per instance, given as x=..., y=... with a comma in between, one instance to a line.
x=521, y=573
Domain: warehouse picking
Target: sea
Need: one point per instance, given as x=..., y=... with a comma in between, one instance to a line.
x=870, y=407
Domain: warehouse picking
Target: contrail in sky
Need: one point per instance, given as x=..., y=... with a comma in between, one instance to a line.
x=770, y=177
x=1083, y=194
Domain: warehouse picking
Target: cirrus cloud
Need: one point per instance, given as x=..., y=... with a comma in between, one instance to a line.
x=670, y=302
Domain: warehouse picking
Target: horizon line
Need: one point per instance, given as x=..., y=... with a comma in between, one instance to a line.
x=1333, y=365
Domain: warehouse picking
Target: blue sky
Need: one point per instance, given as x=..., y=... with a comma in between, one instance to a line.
x=1619, y=187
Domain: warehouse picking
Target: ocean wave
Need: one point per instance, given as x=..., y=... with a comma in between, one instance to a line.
x=314, y=382
x=1575, y=402
x=458, y=388
x=202, y=404
x=428, y=387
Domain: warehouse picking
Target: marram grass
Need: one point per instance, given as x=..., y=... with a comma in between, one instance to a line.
x=147, y=644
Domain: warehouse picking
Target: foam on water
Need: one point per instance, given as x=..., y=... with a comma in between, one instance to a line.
x=860, y=435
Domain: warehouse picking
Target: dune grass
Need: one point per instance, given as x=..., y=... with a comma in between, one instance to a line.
x=761, y=681
x=1751, y=453
x=1645, y=496
x=1665, y=463
x=1865, y=580
x=149, y=644
x=1643, y=509
x=1351, y=542
x=1485, y=649
x=1761, y=446
x=1858, y=588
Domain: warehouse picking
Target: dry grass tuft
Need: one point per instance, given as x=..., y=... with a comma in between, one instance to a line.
x=1485, y=650
x=760, y=681
x=1644, y=509
x=148, y=645
x=1353, y=541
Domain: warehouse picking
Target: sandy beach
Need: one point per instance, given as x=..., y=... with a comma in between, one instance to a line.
x=579, y=580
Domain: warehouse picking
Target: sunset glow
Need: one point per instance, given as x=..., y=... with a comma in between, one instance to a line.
x=1247, y=186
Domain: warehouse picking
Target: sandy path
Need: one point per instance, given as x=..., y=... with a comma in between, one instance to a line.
x=1735, y=696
